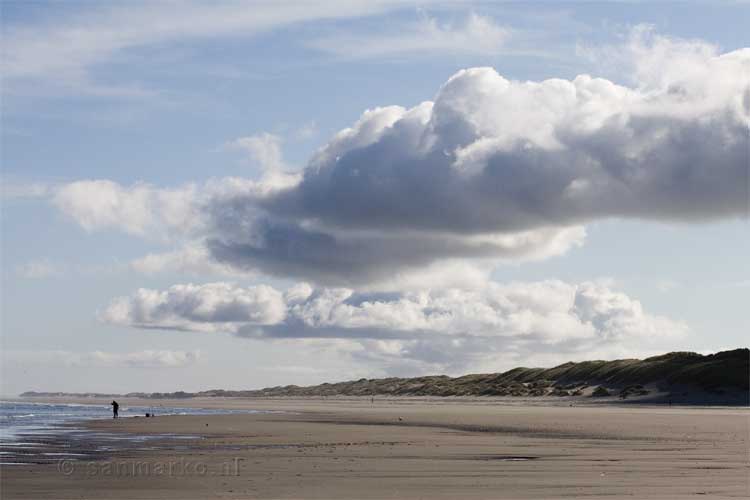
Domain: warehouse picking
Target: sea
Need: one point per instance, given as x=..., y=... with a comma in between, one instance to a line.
x=32, y=432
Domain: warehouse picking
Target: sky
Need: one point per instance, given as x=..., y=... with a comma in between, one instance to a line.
x=248, y=194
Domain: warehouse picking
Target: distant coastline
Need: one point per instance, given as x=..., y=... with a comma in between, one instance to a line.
x=679, y=377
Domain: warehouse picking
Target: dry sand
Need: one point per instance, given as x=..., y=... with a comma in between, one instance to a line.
x=411, y=449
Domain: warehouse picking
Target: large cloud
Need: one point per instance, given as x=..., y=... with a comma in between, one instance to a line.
x=491, y=169
x=494, y=155
x=493, y=158
x=446, y=329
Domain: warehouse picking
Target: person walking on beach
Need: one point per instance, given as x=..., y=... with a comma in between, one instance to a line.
x=115, y=407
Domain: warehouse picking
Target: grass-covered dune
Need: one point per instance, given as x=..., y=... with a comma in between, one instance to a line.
x=678, y=373
x=720, y=371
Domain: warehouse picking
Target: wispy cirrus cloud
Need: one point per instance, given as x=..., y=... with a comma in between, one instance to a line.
x=475, y=34
x=62, y=51
x=39, y=268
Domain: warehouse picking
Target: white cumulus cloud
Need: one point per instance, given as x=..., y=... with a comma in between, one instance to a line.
x=211, y=307
x=140, y=209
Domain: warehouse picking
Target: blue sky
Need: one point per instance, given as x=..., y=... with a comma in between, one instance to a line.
x=205, y=135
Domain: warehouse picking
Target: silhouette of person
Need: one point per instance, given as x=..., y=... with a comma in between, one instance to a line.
x=115, y=407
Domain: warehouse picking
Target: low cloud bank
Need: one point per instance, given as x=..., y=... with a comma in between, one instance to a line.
x=149, y=358
x=442, y=329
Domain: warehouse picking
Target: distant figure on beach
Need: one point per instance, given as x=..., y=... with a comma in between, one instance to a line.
x=115, y=407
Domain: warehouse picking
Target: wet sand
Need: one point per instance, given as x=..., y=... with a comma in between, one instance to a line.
x=406, y=448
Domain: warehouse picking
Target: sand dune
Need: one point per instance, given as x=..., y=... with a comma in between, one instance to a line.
x=680, y=377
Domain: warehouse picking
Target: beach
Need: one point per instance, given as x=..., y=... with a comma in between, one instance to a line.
x=406, y=448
